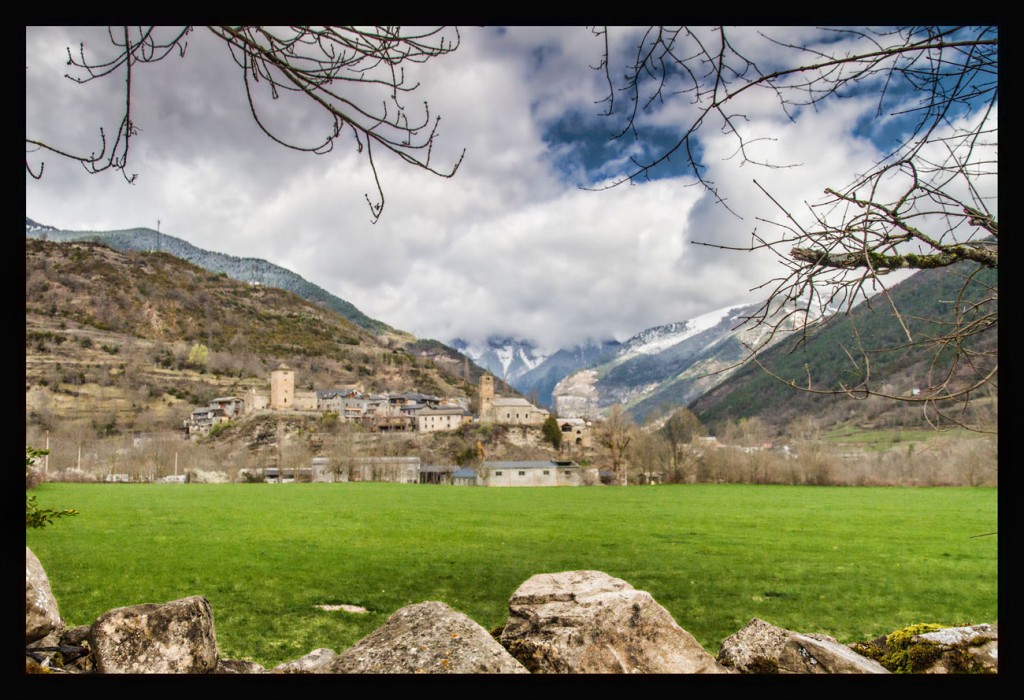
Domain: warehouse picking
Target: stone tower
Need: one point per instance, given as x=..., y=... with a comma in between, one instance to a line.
x=486, y=394
x=282, y=388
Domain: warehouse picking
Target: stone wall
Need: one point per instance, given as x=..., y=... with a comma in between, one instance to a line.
x=572, y=622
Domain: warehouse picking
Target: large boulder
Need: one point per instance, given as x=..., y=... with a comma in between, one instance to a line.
x=427, y=637
x=590, y=622
x=761, y=647
x=42, y=616
x=174, y=637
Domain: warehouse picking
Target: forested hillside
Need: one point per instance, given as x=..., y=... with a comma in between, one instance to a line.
x=871, y=343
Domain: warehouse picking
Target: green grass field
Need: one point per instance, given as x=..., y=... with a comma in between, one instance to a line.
x=881, y=439
x=853, y=563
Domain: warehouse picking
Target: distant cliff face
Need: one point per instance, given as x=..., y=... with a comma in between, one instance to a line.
x=576, y=396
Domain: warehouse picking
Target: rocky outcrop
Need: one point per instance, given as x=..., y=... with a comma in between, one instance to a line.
x=42, y=615
x=426, y=638
x=590, y=622
x=176, y=637
x=764, y=648
x=576, y=395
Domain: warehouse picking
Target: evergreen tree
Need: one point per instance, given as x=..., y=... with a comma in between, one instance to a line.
x=552, y=433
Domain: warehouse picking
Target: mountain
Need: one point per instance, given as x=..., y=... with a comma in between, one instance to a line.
x=251, y=270
x=669, y=364
x=504, y=357
x=543, y=378
x=530, y=371
x=926, y=301
x=33, y=227
x=120, y=337
x=704, y=363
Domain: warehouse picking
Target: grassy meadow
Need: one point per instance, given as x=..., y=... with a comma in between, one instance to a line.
x=853, y=563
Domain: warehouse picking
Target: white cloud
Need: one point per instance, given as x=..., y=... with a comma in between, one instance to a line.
x=508, y=246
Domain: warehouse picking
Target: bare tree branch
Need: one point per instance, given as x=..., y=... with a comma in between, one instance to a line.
x=355, y=76
x=924, y=205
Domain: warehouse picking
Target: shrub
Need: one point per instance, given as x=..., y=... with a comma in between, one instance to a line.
x=35, y=516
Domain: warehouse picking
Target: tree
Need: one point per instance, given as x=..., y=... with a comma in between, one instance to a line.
x=928, y=202
x=681, y=428
x=552, y=432
x=354, y=77
x=615, y=433
x=651, y=454
x=198, y=355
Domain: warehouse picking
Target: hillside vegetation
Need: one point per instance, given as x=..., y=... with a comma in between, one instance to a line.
x=139, y=338
x=830, y=356
x=252, y=270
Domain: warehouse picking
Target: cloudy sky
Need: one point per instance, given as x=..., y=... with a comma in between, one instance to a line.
x=511, y=245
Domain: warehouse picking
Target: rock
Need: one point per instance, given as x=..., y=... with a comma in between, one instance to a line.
x=310, y=663
x=76, y=636
x=237, y=666
x=175, y=637
x=42, y=616
x=761, y=647
x=590, y=622
x=928, y=648
x=963, y=649
x=34, y=667
x=63, y=650
x=77, y=655
x=427, y=637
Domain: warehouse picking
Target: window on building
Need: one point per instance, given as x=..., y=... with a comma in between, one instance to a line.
x=522, y=473
x=567, y=472
x=497, y=473
x=546, y=472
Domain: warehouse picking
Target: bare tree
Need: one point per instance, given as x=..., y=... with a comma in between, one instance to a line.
x=679, y=431
x=651, y=456
x=355, y=76
x=615, y=433
x=928, y=202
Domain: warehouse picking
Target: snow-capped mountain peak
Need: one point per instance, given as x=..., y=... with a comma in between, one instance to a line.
x=505, y=357
x=655, y=340
x=33, y=226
